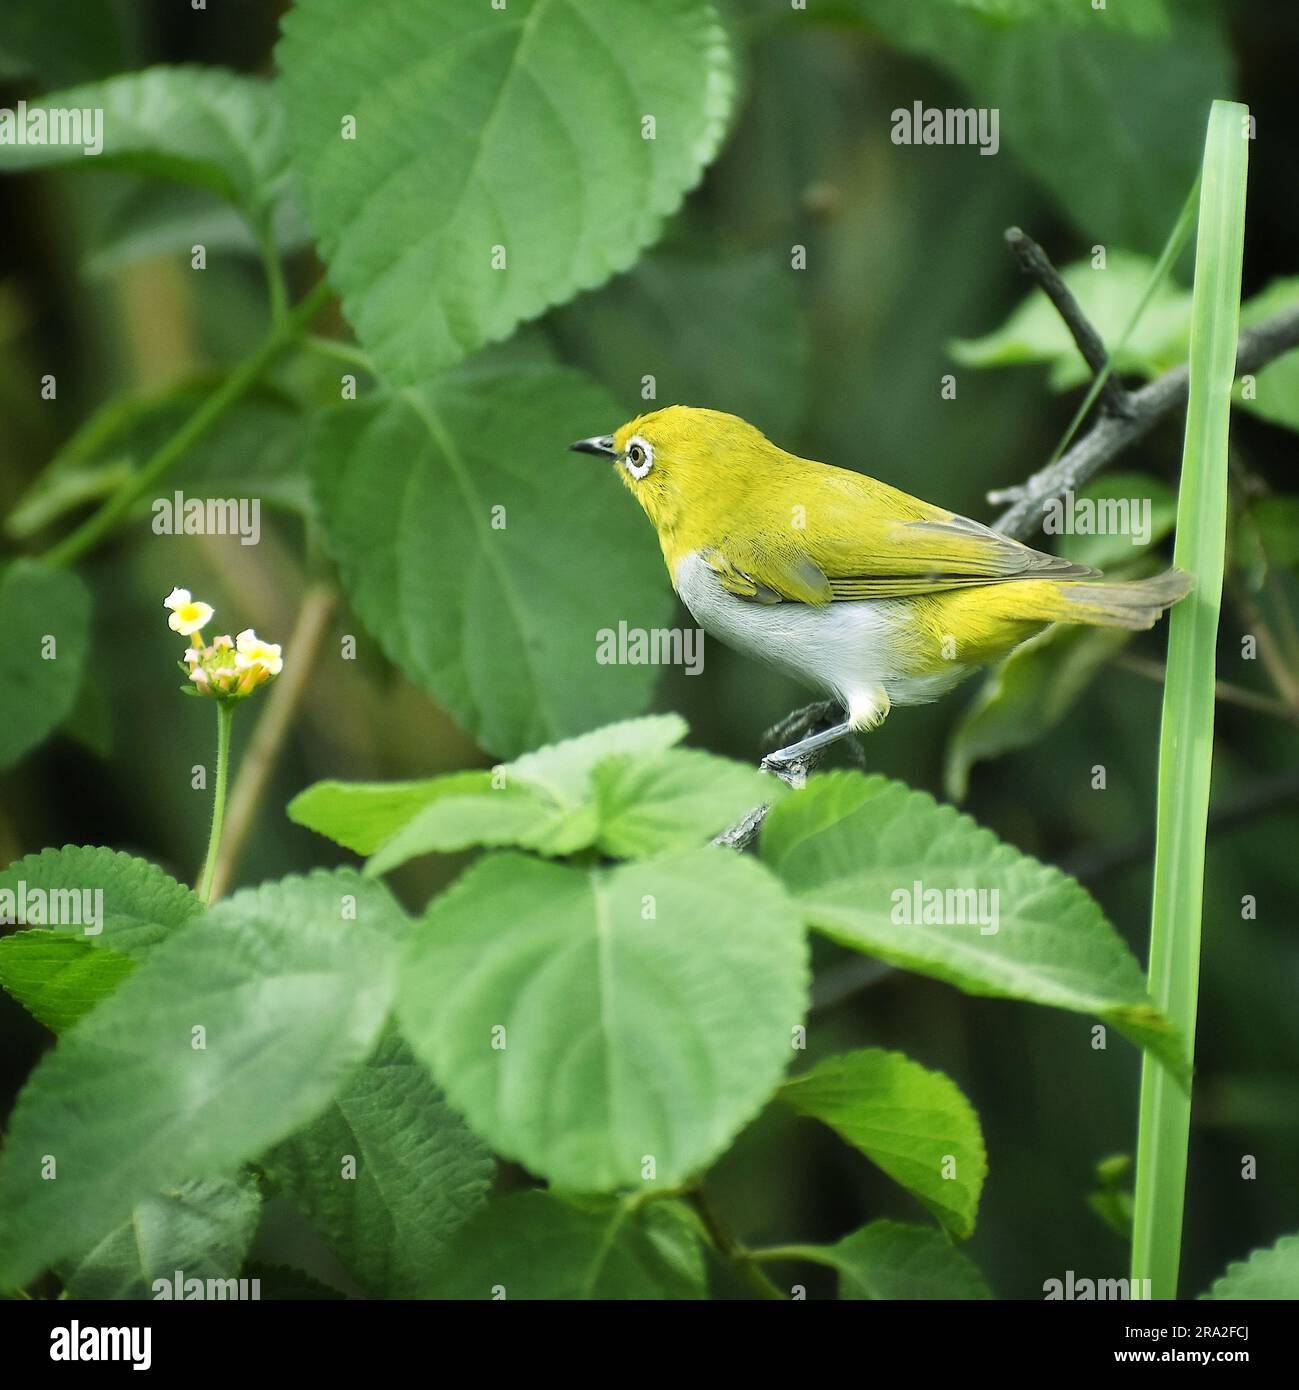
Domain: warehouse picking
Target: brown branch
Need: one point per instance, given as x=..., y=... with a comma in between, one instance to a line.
x=273, y=727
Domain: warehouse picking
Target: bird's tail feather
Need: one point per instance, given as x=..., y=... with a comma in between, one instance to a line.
x=1130, y=603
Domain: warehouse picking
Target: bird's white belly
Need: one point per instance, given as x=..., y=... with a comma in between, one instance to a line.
x=847, y=649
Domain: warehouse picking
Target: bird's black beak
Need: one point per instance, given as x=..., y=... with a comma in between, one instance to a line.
x=599, y=444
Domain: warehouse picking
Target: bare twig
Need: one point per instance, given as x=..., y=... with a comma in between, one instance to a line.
x=1113, y=433
x=1035, y=263
x=1225, y=691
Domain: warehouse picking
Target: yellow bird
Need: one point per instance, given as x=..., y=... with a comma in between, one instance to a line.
x=851, y=586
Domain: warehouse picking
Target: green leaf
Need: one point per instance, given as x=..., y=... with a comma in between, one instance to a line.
x=1144, y=95
x=559, y=800
x=1112, y=1200
x=536, y=1245
x=889, y=1260
x=543, y=801
x=44, y=634
x=202, y=126
x=677, y=799
x=452, y=104
x=135, y=904
x=712, y=325
x=1267, y=1274
x=864, y=856
x=1035, y=332
x=202, y=1228
x=464, y=530
x=290, y=993
x=417, y=1173
x=914, y=1123
x=612, y=1027
x=57, y=978
x=1027, y=695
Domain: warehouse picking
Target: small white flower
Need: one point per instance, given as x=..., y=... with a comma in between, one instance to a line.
x=187, y=615
x=251, y=651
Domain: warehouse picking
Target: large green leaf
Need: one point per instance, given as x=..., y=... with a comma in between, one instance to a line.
x=202, y=1228
x=1026, y=695
x=289, y=983
x=535, y=1245
x=476, y=128
x=543, y=801
x=613, y=1027
x=487, y=559
x=864, y=857
x=916, y=1124
x=889, y=1260
x=1272, y=1273
x=44, y=635
x=622, y=789
x=141, y=905
x=1122, y=181
x=203, y=126
x=416, y=1173
x=57, y=977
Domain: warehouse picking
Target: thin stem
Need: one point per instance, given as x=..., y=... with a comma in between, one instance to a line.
x=811, y=1253
x=100, y=523
x=1224, y=691
x=225, y=717
x=740, y=1259
x=272, y=728
x=341, y=352
x=1273, y=658
x=276, y=289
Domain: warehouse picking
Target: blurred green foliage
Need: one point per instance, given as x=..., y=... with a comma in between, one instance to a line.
x=1101, y=133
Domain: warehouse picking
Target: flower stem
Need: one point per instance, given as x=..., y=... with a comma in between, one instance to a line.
x=225, y=716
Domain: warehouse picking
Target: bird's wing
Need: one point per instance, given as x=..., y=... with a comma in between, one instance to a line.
x=880, y=543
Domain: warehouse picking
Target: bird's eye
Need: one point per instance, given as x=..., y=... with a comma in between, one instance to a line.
x=640, y=457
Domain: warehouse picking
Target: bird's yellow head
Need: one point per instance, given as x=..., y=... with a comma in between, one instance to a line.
x=682, y=462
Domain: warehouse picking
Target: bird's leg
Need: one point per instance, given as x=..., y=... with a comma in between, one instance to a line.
x=819, y=728
x=782, y=759
x=819, y=714
x=792, y=763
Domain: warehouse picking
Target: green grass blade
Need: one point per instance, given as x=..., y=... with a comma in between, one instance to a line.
x=1173, y=247
x=1186, y=735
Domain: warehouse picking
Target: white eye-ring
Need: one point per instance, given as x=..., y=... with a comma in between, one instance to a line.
x=639, y=456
